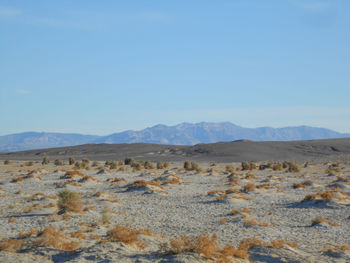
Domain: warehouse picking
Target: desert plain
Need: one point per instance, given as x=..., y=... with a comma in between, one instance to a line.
x=130, y=210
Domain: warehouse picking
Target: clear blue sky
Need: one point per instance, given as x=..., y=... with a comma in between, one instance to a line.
x=100, y=67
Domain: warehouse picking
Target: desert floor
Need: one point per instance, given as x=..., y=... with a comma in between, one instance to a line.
x=217, y=213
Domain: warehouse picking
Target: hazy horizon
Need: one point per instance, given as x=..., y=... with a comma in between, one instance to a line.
x=147, y=127
x=103, y=67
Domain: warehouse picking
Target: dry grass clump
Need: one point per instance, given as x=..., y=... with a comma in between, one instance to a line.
x=326, y=196
x=71, y=174
x=127, y=235
x=7, y=162
x=292, y=167
x=303, y=184
x=243, y=210
x=191, y=166
x=11, y=220
x=17, y=179
x=248, y=166
x=250, y=176
x=143, y=183
x=69, y=202
x=163, y=165
x=248, y=188
x=11, y=244
x=87, y=178
x=333, y=168
x=116, y=179
x=111, y=164
x=49, y=237
x=229, y=169
x=223, y=220
x=253, y=222
x=80, y=165
x=329, y=249
x=320, y=220
x=58, y=162
x=32, y=232
x=206, y=246
x=28, y=163
x=46, y=160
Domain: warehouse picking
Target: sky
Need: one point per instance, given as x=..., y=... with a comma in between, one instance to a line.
x=99, y=67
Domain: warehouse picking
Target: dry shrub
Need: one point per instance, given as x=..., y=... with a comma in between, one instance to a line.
x=207, y=246
x=46, y=160
x=336, y=249
x=78, y=234
x=280, y=243
x=17, y=179
x=250, y=176
x=248, y=166
x=11, y=220
x=148, y=165
x=325, y=196
x=277, y=167
x=127, y=235
x=11, y=244
x=243, y=210
x=7, y=162
x=69, y=202
x=49, y=237
x=319, y=220
x=253, y=222
x=223, y=220
x=58, y=162
x=191, y=166
x=229, y=169
x=87, y=178
x=71, y=174
x=32, y=232
x=248, y=188
x=292, y=167
x=303, y=184
x=163, y=165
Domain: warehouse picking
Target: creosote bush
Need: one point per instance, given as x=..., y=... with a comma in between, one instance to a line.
x=69, y=201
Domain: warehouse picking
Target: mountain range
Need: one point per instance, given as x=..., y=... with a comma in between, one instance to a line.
x=181, y=134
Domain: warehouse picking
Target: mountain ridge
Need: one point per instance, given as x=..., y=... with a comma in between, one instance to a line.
x=180, y=134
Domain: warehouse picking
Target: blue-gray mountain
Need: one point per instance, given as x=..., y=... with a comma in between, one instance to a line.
x=182, y=134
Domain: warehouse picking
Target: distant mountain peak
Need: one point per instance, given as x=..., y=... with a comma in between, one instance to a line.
x=181, y=134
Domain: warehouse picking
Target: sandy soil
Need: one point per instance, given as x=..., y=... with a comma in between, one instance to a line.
x=128, y=215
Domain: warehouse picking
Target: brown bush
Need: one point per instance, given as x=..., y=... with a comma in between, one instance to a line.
x=69, y=202
x=46, y=160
